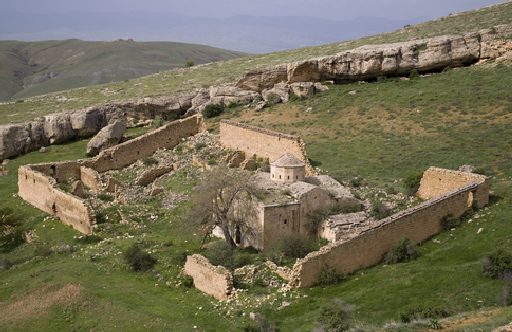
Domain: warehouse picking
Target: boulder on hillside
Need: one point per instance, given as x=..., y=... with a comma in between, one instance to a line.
x=225, y=95
x=88, y=122
x=109, y=136
x=58, y=128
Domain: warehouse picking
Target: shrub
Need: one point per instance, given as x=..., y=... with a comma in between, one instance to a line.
x=347, y=206
x=412, y=183
x=295, y=245
x=43, y=250
x=149, y=161
x=315, y=218
x=422, y=311
x=178, y=148
x=336, y=316
x=414, y=74
x=190, y=63
x=138, y=259
x=89, y=239
x=157, y=122
x=198, y=146
x=212, y=110
x=380, y=211
x=505, y=299
x=402, y=251
x=330, y=276
x=498, y=265
x=220, y=253
x=179, y=258
x=449, y=221
x=271, y=98
x=105, y=197
x=188, y=281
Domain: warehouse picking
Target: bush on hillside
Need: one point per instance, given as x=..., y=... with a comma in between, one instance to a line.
x=212, y=110
x=414, y=311
x=498, y=265
x=138, y=259
x=330, y=276
x=336, y=315
x=412, y=183
x=402, y=251
x=295, y=245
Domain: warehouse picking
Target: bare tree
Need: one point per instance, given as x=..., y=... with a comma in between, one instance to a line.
x=224, y=198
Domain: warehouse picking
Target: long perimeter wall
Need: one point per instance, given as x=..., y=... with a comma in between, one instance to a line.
x=262, y=142
x=418, y=223
x=37, y=183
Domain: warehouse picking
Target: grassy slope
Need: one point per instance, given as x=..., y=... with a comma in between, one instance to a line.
x=464, y=117
x=83, y=63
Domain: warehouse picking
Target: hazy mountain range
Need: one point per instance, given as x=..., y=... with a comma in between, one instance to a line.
x=240, y=33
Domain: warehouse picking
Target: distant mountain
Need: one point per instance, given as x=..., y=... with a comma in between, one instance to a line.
x=250, y=34
x=35, y=68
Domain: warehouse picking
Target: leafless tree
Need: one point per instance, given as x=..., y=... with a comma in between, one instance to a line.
x=224, y=198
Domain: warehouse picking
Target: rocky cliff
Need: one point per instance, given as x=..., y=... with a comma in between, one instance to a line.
x=398, y=59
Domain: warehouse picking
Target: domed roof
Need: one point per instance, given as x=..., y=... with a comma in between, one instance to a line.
x=288, y=160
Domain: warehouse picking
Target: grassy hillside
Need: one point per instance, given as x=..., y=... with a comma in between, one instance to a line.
x=386, y=131
x=36, y=68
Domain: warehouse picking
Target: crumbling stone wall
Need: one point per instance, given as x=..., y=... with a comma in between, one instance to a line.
x=39, y=190
x=262, y=142
x=37, y=183
x=436, y=181
x=146, y=145
x=214, y=280
x=367, y=249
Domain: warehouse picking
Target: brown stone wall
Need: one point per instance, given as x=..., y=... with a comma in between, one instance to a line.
x=261, y=142
x=90, y=178
x=279, y=220
x=214, y=280
x=367, y=249
x=146, y=145
x=436, y=181
x=38, y=189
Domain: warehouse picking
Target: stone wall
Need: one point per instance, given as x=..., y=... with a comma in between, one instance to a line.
x=436, y=181
x=368, y=248
x=262, y=142
x=146, y=145
x=213, y=280
x=37, y=183
x=39, y=190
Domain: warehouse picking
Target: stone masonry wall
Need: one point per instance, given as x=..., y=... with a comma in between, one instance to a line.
x=418, y=223
x=214, y=280
x=436, y=181
x=261, y=142
x=39, y=190
x=146, y=145
x=90, y=178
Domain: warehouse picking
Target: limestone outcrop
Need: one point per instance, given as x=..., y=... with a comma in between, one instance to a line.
x=225, y=95
x=371, y=61
x=108, y=136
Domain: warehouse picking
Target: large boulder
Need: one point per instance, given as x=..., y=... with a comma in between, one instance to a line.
x=109, y=136
x=225, y=95
x=14, y=140
x=58, y=128
x=88, y=122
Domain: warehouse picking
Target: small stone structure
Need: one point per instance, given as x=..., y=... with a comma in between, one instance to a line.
x=38, y=183
x=288, y=168
x=214, y=280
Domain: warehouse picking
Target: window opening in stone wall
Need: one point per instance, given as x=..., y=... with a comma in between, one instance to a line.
x=279, y=176
x=288, y=177
x=285, y=221
x=238, y=235
x=52, y=170
x=470, y=199
x=296, y=177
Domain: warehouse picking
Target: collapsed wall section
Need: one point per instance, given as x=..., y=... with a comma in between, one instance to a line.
x=436, y=181
x=262, y=142
x=367, y=249
x=214, y=280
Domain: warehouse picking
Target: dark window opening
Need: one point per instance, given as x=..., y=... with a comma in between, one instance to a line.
x=238, y=235
x=288, y=177
x=285, y=221
x=296, y=177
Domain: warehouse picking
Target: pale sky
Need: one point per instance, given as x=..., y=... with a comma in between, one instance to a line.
x=326, y=9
